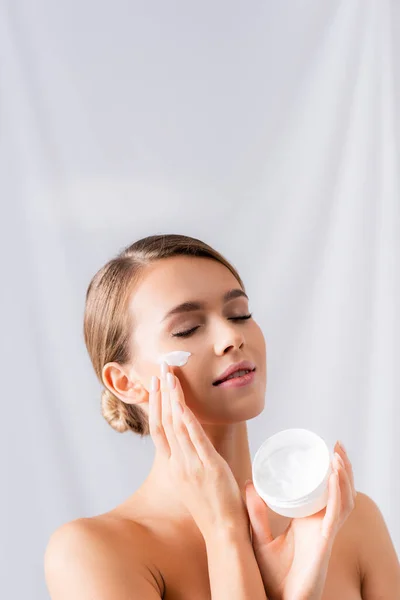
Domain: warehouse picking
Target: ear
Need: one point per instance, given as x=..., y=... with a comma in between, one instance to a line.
x=124, y=384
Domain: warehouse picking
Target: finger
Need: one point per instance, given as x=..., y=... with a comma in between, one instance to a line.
x=166, y=417
x=182, y=435
x=204, y=448
x=340, y=449
x=345, y=488
x=332, y=512
x=258, y=514
x=177, y=392
x=155, y=425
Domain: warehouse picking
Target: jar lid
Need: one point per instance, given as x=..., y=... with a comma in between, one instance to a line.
x=291, y=466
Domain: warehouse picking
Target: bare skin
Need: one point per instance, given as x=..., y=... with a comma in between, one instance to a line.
x=173, y=543
x=153, y=525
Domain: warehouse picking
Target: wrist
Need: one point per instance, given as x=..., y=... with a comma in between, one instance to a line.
x=227, y=532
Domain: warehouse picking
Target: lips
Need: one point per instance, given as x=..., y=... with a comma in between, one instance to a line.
x=244, y=365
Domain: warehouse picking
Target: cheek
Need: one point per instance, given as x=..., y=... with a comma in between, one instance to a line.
x=260, y=347
x=195, y=380
x=148, y=348
x=144, y=367
x=259, y=340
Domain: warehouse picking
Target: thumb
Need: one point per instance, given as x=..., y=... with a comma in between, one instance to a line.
x=258, y=514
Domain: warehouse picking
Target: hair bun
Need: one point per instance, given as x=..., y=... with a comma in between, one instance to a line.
x=112, y=409
x=122, y=416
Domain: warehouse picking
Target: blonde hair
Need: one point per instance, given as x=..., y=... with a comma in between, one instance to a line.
x=107, y=323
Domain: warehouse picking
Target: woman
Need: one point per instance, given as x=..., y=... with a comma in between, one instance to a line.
x=185, y=533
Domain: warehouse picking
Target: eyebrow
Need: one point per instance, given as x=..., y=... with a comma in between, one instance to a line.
x=192, y=305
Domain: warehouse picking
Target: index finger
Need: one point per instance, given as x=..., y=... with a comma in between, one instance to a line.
x=155, y=417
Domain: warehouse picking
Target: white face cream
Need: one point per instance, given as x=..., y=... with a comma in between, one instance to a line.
x=178, y=358
x=291, y=470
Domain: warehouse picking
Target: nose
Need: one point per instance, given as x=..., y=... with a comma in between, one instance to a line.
x=229, y=337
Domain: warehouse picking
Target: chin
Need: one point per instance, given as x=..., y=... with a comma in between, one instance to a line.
x=253, y=409
x=236, y=412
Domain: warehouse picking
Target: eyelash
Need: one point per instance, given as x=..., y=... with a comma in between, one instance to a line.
x=190, y=331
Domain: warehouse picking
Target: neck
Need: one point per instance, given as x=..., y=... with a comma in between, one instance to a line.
x=230, y=441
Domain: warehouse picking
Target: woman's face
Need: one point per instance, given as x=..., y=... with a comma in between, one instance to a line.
x=216, y=343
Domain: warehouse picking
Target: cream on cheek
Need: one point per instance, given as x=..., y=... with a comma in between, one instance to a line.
x=177, y=358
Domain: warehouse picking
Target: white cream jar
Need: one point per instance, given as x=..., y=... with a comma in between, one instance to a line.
x=291, y=470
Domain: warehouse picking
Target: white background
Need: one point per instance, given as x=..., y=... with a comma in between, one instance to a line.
x=268, y=129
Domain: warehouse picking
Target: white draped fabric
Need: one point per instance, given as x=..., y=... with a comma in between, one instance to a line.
x=268, y=129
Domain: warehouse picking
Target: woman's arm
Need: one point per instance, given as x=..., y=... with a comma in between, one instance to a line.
x=380, y=568
x=233, y=570
x=205, y=484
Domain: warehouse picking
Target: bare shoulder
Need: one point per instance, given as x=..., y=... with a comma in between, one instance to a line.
x=376, y=555
x=101, y=557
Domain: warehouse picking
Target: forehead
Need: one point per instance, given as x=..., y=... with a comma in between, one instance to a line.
x=170, y=281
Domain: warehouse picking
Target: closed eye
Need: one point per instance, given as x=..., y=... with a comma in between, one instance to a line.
x=190, y=331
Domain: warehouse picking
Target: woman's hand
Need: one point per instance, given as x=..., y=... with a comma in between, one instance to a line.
x=202, y=478
x=294, y=565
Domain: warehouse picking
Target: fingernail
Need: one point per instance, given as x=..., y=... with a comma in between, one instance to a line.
x=246, y=482
x=170, y=381
x=164, y=369
x=342, y=446
x=154, y=383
